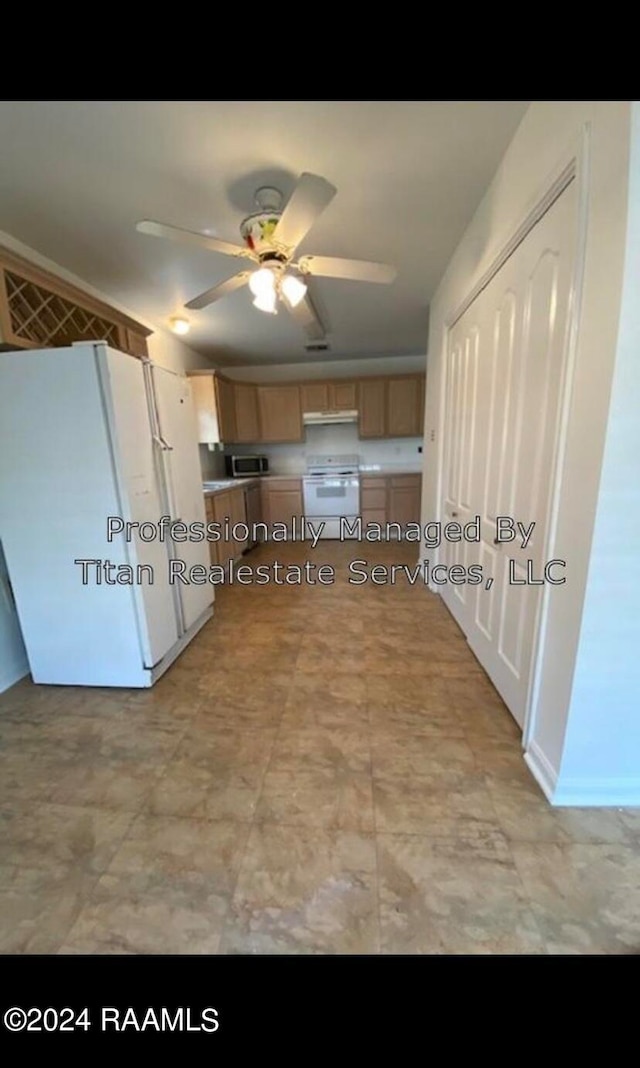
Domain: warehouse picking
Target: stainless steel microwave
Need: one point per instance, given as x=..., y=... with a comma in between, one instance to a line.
x=246, y=466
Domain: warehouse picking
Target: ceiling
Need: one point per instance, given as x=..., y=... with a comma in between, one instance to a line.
x=76, y=176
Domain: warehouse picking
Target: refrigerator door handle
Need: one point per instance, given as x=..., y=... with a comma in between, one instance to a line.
x=162, y=444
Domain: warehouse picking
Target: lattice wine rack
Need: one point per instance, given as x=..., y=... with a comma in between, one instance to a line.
x=41, y=317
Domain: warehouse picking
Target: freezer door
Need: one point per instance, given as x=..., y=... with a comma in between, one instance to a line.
x=140, y=499
x=178, y=433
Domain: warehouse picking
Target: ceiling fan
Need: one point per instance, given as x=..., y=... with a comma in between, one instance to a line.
x=271, y=236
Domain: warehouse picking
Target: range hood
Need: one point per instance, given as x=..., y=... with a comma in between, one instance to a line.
x=318, y=418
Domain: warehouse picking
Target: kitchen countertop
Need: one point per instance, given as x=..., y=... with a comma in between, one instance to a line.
x=219, y=485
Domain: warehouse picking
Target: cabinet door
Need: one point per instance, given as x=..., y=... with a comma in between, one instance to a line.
x=238, y=515
x=205, y=404
x=136, y=343
x=280, y=415
x=226, y=406
x=404, y=406
x=371, y=408
x=223, y=510
x=253, y=504
x=343, y=396
x=404, y=499
x=247, y=427
x=283, y=501
x=373, y=495
x=211, y=518
x=314, y=397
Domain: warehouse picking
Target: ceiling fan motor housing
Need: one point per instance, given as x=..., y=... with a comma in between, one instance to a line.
x=257, y=231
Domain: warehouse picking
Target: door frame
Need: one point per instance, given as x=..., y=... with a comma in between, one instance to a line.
x=573, y=165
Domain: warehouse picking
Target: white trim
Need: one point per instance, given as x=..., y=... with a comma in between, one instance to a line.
x=13, y=673
x=542, y=770
x=582, y=156
x=598, y=793
x=533, y=216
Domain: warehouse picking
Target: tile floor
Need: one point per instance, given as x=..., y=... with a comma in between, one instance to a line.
x=325, y=769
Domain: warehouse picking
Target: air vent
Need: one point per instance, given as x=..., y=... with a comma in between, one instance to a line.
x=317, y=346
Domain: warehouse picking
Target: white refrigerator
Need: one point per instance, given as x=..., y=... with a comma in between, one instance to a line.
x=88, y=433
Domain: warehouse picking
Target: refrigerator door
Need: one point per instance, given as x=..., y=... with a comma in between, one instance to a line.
x=178, y=435
x=59, y=485
x=140, y=499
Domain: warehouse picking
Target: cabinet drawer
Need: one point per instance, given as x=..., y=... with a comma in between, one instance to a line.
x=372, y=481
x=281, y=484
x=406, y=481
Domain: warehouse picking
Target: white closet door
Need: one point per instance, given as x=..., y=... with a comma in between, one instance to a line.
x=505, y=369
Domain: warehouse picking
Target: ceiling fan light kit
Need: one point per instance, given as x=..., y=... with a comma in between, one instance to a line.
x=271, y=236
x=266, y=302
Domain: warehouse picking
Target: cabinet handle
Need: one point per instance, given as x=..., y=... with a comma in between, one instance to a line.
x=454, y=515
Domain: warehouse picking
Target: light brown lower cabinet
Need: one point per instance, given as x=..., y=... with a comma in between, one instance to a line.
x=281, y=501
x=228, y=506
x=390, y=499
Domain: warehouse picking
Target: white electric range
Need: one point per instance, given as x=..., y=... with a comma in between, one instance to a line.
x=331, y=491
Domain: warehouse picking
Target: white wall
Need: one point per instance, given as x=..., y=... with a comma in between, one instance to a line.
x=399, y=453
x=601, y=756
x=280, y=372
x=548, y=135
x=13, y=655
x=167, y=350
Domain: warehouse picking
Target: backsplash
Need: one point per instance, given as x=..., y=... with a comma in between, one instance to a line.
x=337, y=438
x=212, y=463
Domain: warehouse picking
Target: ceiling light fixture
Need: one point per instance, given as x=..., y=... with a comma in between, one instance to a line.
x=180, y=326
x=268, y=284
x=266, y=302
x=293, y=289
x=262, y=283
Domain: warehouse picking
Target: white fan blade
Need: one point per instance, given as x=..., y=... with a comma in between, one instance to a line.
x=310, y=197
x=189, y=237
x=220, y=290
x=307, y=317
x=355, y=270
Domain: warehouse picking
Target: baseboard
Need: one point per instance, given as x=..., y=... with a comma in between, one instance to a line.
x=13, y=673
x=542, y=770
x=600, y=793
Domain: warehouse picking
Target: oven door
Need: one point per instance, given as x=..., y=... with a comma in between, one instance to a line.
x=327, y=497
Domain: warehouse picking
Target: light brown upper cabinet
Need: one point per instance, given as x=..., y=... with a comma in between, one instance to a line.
x=391, y=407
x=250, y=413
x=280, y=413
x=247, y=423
x=314, y=396
x=203, y=391
x=226, y=405
x=343, y=396
x=405, y=406
x=372, y=396
x=40, y=310
x=335, y=396
x=136, y=343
